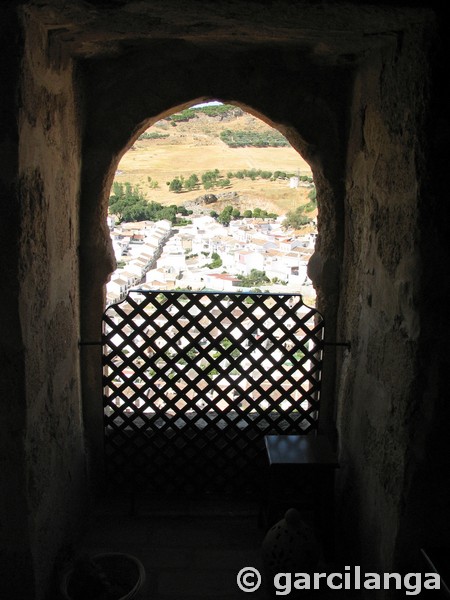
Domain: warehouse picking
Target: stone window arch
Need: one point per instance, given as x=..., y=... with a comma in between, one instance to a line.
x=112, y=132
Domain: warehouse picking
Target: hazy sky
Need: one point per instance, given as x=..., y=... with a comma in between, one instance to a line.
x=213, y=102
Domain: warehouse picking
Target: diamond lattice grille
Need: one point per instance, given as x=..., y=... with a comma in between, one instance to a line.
x=193, y=381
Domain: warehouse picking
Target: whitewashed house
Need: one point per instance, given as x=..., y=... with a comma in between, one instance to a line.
x=242, y=234
x=289, y=244
x=138, y=267
x=257, y=244
x=116, y=289
x=245, y=261
x=221, y=282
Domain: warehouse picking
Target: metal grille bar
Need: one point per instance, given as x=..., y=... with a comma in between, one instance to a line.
x=193, y=381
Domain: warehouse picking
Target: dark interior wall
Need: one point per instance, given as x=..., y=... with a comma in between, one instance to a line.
x=382, y=254
x=382, y=292
x=16, y=567
x=42, y=478
x=425, y=516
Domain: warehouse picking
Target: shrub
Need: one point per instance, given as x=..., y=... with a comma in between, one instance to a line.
x=239, y=139
x=152, y=135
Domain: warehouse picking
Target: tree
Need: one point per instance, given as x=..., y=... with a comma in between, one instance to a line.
x=176, y=185
x=312, y=204
x=126, y=201
x=210, y=178
x=255, y=278
x=226, y=216
x=216, y=261
x=129, y=204
x=191, y=182
x=182, y=210
x=296, y=218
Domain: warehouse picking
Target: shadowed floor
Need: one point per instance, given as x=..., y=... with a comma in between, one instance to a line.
x=190, y=548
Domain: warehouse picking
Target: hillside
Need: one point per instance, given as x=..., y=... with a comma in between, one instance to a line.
x=179, y=148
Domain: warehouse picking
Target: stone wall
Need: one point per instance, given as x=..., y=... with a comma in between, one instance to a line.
x=48, y=302
x=353, y=103
x=425, y=515
x=381, y=292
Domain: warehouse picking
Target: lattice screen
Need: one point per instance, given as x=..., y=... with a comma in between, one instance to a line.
x=193, y=381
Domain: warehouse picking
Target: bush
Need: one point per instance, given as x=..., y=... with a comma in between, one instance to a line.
x=280, y=175
x=152, y=135
x=239, y=139
x=312, y=204
x=296, y=218
x=184, y=115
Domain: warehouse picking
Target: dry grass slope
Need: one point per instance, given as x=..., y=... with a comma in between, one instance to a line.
x=195, y=147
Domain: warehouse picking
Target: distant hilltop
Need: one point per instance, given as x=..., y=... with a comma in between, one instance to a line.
x=221, y=112
x=244, y=129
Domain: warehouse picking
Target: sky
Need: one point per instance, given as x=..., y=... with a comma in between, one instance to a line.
x=212, y=103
